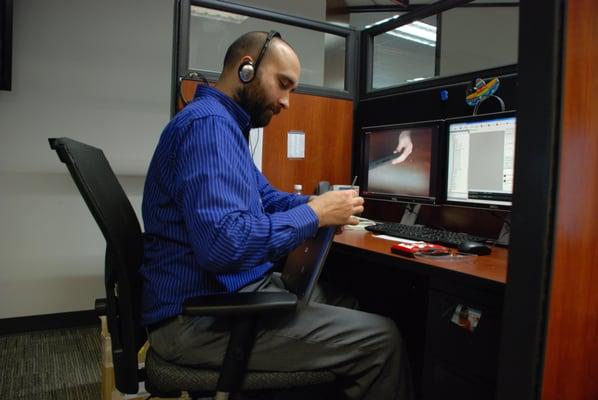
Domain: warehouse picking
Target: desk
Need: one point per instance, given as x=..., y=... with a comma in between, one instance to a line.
x=492, y=268
x=422, y=295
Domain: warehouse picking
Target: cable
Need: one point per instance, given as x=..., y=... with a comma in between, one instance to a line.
x=500, y=102
x=505, y=232
x=192, y=76
x=257, y=142
x=410, y=208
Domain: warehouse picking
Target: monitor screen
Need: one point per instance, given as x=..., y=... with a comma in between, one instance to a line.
x=480, y=162
x=401, y=162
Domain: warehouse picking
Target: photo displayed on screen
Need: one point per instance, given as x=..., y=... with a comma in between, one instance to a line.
x=400, y=161
x=481, y=156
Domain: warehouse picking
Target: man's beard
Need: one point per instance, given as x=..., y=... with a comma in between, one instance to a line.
x=253, y=100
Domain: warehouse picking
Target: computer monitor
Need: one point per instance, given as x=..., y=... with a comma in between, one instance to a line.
x=480, y=160
x=401, y=162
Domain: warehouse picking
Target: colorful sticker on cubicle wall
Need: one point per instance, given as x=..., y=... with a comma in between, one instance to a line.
x=466, y=317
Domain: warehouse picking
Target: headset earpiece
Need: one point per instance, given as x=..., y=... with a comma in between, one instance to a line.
x=246, y=71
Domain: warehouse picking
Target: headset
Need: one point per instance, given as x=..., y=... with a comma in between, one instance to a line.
x=248, y=70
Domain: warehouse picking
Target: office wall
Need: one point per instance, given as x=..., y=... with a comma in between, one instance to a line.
x=96, y=71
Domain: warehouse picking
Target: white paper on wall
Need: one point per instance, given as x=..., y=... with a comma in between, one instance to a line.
x=296, y=144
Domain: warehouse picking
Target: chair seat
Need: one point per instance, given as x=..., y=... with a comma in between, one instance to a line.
x=164, y=377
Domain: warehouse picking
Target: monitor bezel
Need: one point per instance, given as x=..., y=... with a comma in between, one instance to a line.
x=436, y=163
x=471, y=118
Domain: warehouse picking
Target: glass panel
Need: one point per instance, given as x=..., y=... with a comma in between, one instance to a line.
x=405, y=54
x=468, y=39
x=311, y=9
x=322, y=55
x=478, y=38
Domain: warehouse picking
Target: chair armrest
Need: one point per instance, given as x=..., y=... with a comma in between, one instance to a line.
x=240, y=303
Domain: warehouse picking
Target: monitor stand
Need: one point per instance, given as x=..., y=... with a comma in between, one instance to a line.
x=505, y=232
x=410, y=214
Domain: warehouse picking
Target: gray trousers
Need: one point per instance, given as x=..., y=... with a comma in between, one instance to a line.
x=364, y=350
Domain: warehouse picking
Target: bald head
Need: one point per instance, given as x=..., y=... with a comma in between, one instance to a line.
x=249, y=44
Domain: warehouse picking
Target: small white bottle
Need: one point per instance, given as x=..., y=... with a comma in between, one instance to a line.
x=297, y=189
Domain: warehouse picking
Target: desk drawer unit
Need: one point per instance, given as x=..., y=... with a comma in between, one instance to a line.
x=461, y=346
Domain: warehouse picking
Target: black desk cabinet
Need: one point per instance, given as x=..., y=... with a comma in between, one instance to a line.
x=460, y=363
x=448, y=362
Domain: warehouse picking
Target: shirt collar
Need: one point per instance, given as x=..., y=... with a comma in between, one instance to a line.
x=238, y=113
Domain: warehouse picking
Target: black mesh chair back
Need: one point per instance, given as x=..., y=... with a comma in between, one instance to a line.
x=118, y=222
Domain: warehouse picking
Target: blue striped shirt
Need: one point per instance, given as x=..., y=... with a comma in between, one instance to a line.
x=212, y=221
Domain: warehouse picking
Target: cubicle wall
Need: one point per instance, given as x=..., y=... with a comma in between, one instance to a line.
x=327, y=124
x=571, y=344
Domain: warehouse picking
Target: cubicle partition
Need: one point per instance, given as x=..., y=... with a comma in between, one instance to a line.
x=327, y=125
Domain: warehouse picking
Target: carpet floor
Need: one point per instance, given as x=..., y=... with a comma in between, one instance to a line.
x=51, y=365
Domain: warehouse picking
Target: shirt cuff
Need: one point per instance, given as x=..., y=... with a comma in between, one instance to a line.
x=299, y=200
x=305, y=220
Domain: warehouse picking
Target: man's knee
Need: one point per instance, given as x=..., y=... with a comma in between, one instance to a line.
x=391, y=332
x=385, y=337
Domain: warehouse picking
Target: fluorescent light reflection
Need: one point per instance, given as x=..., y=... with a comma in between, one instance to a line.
x=416, y=79
x=417, y=31
x=217, y=15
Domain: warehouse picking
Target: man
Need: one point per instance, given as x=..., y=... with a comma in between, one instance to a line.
x=214, y=224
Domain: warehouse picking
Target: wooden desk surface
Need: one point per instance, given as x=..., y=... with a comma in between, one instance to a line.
x=492, y=267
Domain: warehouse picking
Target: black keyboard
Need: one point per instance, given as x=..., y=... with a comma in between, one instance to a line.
x=424, y=234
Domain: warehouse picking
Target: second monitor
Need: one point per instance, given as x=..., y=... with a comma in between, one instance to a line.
x=480, y=161
x=401, y=162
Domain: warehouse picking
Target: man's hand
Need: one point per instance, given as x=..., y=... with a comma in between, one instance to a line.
x=337, y=207
x=404, y=147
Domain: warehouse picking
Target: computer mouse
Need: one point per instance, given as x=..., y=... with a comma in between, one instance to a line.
x=474, y=248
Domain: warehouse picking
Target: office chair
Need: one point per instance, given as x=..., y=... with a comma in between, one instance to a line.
x=116, y=218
